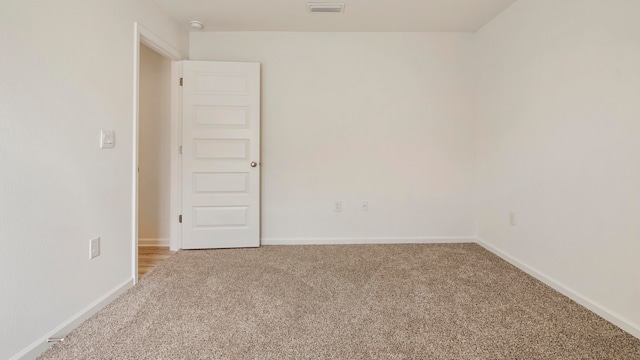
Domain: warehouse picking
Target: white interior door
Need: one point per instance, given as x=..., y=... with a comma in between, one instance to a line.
x=220, y=155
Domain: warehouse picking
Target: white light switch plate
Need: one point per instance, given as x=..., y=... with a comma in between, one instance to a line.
x=107, y=139
x=94, y=247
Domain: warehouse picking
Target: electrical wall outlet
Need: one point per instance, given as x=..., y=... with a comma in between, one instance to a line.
x=337, y=206
x=94, y=247
x=365, y=206
x=512, y=218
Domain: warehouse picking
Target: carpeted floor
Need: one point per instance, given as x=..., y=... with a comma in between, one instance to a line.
x=344, y=302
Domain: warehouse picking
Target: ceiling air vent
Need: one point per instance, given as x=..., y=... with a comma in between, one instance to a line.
x=318, y=7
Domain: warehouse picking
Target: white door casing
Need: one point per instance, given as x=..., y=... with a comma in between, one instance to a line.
x=220, y=155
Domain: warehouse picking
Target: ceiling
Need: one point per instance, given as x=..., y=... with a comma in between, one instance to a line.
x=359, y=15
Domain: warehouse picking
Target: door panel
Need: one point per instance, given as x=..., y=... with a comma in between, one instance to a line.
x=220, y=140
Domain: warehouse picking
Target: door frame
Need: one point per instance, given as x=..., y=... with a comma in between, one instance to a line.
x=142, y=35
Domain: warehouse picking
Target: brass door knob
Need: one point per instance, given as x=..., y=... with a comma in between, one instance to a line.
x=254, y=164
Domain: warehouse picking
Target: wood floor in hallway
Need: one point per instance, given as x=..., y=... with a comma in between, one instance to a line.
x=150, y=256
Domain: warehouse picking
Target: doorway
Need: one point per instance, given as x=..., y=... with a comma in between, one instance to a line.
x=240, y=81
x=146, y=43
x=154, y=154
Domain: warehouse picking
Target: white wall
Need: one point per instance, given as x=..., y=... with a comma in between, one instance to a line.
x=558, y=143
x=377, y=117
x=67, y=72
x=154, y=148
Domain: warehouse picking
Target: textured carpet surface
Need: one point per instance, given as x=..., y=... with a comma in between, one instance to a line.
x=344, y=302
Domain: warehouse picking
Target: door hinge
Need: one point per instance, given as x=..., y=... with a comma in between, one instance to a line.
x=180, y=149
x=180, y=219
x=181, y=81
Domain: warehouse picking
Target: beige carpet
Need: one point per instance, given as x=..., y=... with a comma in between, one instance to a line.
x=344, y=302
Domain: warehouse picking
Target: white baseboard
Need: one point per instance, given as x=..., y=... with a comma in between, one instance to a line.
x=370, y=240
x=39, y=346
x=609, y=315
x=153, y=242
